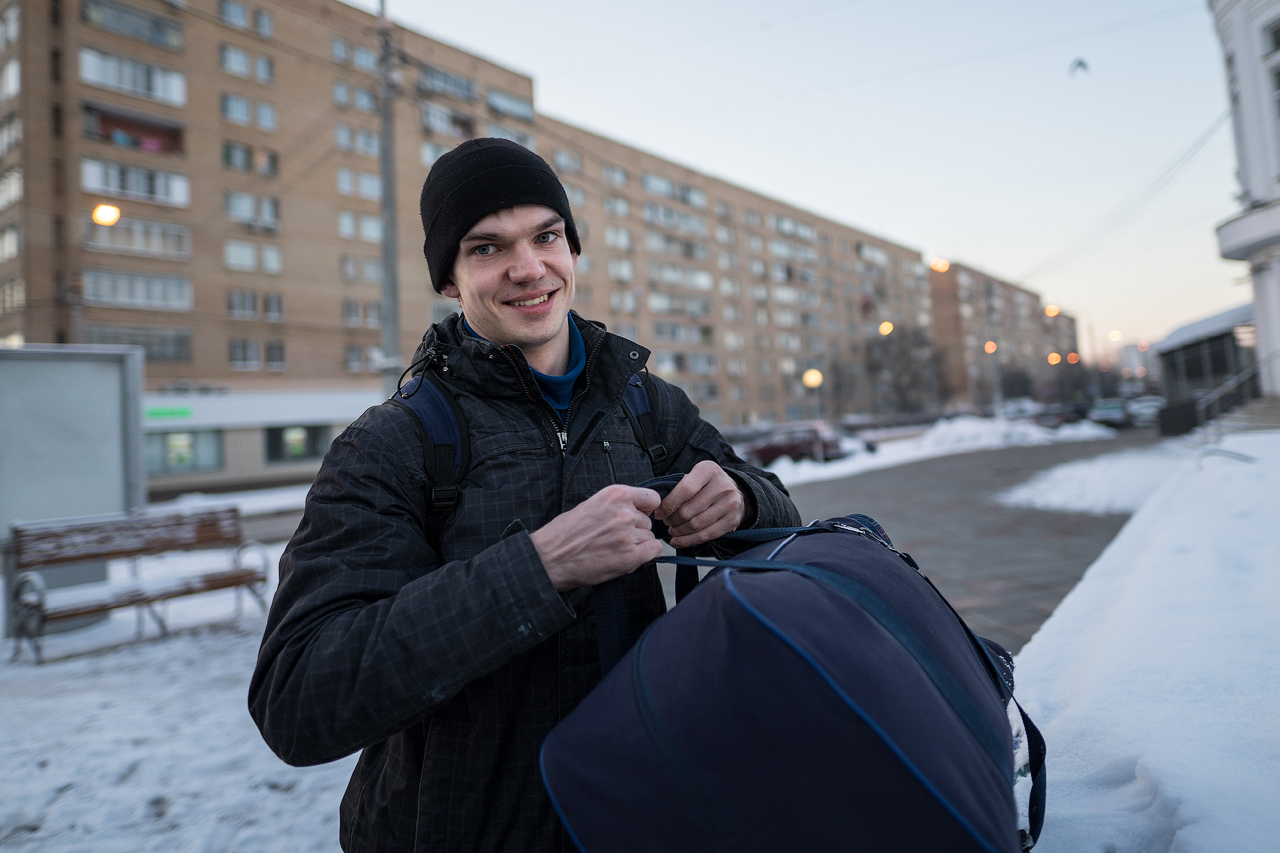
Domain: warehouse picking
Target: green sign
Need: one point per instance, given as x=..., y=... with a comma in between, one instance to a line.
x=164, y=412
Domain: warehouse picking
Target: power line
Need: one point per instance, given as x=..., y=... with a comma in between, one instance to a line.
x=1123, y=214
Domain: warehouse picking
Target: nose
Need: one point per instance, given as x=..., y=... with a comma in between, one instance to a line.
x=525, y=264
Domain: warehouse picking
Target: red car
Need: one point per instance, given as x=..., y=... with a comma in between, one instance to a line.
x=799, y=440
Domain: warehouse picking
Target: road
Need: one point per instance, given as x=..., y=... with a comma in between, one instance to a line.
x=1003, y=569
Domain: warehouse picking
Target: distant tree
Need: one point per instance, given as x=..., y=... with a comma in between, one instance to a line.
x=904, y=365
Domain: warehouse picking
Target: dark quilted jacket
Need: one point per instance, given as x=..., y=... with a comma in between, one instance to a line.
x=449, y=668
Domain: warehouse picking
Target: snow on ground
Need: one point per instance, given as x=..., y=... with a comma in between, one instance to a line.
x=1156, y=681
x=1112, y=483
x=150, y=747
x=255, y=502
x=955, y=435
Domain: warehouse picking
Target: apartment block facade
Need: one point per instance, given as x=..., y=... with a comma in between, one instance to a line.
x=239, y=141
x=1034, y=343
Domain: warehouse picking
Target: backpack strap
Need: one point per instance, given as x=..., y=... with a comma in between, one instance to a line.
x=635, y=399
x=446, y=445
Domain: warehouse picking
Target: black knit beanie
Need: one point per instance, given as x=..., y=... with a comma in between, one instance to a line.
x=480, y=177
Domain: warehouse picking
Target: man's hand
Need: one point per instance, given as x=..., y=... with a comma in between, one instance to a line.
x=705, y=505
x=607, y=535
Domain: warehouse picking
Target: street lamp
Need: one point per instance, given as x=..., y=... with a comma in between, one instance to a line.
x=1051, y=311
x=1054, y=358
x=886, y=327
x=812, y=379
x=106, y=214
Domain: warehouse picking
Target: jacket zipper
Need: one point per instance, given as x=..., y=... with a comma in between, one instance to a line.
x=582, y=392
x=608, y=457
x=561, y=432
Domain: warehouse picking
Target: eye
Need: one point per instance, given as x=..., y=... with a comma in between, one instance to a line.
x=547, y=237
x=484, y=249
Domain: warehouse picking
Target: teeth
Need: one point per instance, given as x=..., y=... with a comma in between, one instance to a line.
x=527, y=302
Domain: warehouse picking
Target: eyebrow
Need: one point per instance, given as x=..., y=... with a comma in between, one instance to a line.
x=492, y=237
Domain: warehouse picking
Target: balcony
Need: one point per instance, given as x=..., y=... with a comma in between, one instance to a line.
x=129, y=130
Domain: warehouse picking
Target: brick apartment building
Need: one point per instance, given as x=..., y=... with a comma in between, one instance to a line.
x=239, y=141
x=1035, y=343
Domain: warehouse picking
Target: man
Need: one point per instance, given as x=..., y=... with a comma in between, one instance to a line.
x=447, y=648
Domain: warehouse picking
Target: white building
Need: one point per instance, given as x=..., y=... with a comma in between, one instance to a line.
x=1250, y=35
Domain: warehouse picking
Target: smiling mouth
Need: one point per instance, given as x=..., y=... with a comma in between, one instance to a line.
x=524, y=303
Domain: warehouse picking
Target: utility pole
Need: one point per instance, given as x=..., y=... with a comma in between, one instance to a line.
x=390, y=313
x=997, y=382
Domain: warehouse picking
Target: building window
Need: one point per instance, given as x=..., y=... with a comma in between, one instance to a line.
x=242, y=305
x=160, y=343
x=355, y=361
x=10, y=187
x=266, y=117
x=239, y=207
x=138, y=237
x=617, y=206
x=10, y=80
x=347, y=266
x=264, y=68
x=235, y=108
x=130, y=77
x=505, y=104
x=116, y=179
x=519, y=137
x=621, y=270
x=127, y=21
x=373, y=314
x=237, y=156
x=441, y=82
x=128, y=132
x=233, y=60
x=614, y=175
x=341, y=93
x=367, y=143
x=10, y=25
x=577, y=198
x=350, y=312
x=365, y=102
x=346, y=225
x=233, y=14
x=116, y=289
x=346, y=182
x=268, y=163
x=431, y=152
x=272, y=260
x=568, y=162
x=616, y=237
x=239, y=255
x=373, y=271
x=13, y=296
x=370, y=186
x=371, y=228
x=275, y=355
x=364, y=59
x=244, y=354
x=264, y=23
x=183, y=452
x=293, y=443
x=338, y=50
x=10, y=134
x=273, y=307
x=342, y=137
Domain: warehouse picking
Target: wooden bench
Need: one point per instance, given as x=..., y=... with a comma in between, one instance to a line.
x=49, y=544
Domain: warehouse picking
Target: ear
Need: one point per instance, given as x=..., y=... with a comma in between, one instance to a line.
x=450, y=290
x=575, y=258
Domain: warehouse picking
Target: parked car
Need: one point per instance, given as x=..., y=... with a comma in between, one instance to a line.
x=1112, y=412
x=1051, y=416
x=1145, y=411
x=798, y=440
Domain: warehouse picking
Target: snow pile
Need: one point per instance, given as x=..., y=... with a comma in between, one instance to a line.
x=1156, y=680
x=1114, y=483
x=254, y=502
x=955, y=435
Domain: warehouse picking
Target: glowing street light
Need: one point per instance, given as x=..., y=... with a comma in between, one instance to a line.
x=106, y=214
x=1114, y=335
x=1052, y=311
x=989, y=347
x=812, y=378
x=940, y=265
x=886, y=327
x=1143, y=346
x=1073, y=358
x=1054, y=358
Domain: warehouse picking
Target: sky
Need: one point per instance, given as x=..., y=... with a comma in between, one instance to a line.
x=955, y=129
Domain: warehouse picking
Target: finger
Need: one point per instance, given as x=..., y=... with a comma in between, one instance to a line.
x=711, y=494
x=720, y=515
x=715, y=530
x=644, y=500
x=688, y=486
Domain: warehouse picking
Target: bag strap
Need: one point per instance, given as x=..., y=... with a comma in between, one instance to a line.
x=639, y=407
x=446, y=445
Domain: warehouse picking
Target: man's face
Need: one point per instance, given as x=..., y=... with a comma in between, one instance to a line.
x=514, y=277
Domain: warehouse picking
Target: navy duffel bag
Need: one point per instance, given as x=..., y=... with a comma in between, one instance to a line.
x=812, y=694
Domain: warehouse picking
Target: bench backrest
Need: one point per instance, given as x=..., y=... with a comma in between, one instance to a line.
x=107, y=537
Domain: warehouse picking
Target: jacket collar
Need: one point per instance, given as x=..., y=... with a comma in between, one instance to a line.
x=492, y=370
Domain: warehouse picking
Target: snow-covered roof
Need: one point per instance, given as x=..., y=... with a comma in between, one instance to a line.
x=1207, y=328
x=241, y=409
